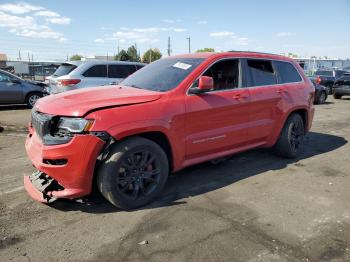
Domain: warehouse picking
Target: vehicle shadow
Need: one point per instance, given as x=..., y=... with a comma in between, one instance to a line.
x=207, y=177
x=13, y=107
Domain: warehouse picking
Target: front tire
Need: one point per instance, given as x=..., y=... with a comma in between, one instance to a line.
x=134, y=173
x=291, y=139
x=32, y=98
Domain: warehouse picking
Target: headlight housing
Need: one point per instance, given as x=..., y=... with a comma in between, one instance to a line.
x=74, y=125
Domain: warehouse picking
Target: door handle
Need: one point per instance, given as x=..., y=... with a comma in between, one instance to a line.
x=281, y=91
x=240, y=96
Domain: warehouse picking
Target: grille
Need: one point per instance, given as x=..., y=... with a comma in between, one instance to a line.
x=41, y=123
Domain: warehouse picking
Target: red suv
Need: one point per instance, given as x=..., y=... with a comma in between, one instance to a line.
x=171, y=114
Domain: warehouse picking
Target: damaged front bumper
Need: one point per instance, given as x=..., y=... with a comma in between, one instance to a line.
x=40, y=187
x=65, y=170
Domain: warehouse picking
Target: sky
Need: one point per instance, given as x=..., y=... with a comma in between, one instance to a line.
x=54, y=30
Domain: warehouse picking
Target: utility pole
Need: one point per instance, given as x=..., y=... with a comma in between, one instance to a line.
x=150, y=55
x=118, y=46
x=169, y=46
x=189, y=44
x=19, y=55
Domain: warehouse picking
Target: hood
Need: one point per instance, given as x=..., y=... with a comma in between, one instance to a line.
x=80, y=102
x=37, y=83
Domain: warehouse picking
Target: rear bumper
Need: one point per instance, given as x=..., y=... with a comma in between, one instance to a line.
x=74, y=175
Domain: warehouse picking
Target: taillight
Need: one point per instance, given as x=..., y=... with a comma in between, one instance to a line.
x=318, y=80
x=68, y=82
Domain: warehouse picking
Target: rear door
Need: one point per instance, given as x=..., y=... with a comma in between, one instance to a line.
x=265, y=97
x=117, y=73
x=10, y=92
x=217, y=121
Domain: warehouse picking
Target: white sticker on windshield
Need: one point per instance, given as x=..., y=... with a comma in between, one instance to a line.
x=182, y=65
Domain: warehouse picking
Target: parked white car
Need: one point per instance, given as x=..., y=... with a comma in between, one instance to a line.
x=77, y=74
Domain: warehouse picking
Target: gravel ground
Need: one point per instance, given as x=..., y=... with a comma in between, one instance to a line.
x=252, y=207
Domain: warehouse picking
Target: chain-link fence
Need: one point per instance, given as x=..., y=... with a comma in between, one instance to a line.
x=30, y=70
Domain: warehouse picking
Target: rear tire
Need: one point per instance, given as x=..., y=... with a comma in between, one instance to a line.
x=32, y=98
x=290, y=142
x=134, y=173
x=336, y=96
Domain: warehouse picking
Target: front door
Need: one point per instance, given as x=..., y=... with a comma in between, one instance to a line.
x=217, y=120
x=10, y=92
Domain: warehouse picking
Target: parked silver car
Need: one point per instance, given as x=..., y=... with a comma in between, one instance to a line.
x=14, y=90
x=76, y=74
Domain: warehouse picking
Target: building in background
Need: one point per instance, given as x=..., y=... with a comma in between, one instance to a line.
x=310, y=65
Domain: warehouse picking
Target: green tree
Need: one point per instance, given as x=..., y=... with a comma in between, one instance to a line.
x=132, y=53
x=122, y=56
x=151, y=55
x=75, y=57
x=206, y=49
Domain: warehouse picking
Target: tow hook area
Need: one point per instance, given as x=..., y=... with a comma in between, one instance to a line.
x=43, y=183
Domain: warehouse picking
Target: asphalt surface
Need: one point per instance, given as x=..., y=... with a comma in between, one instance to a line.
x=252, y=207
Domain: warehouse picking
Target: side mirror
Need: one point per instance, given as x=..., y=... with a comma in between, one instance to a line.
x=205, y=84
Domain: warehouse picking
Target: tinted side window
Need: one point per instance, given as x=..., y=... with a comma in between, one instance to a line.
x=225, y=74
x=96, y=71
x=262, y=72
x=139, y=66
x=286, y=72
x=120, y=71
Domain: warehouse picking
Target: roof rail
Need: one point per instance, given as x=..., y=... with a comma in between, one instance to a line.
x=239, y=51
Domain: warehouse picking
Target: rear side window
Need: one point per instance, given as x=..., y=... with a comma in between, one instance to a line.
x=262, y=72
x=287, y=73
x=64, y=69
x=96, y=71
x=120, y=71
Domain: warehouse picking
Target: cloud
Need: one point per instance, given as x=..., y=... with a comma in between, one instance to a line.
x=141, y=34
x=222, y=34
x=47, y=13
x=32, y=24
x=168, y=21
x=230, y=37
x=242, y=41
x=202, y=22
x=19, y=8
x=59, y=20
x=285, y=34
x=99, y=40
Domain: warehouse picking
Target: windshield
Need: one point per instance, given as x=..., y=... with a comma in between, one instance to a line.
x=64, y=69
x=324, y=73
x=163, y=75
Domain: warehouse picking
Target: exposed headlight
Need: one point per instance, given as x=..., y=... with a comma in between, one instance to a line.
x=74, y=125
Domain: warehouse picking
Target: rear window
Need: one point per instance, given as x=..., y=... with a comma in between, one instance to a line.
x=96, y=71
x=64, y=69
x=286, y=72
x=324, y=73
x=262, y=72
x=120, y=71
